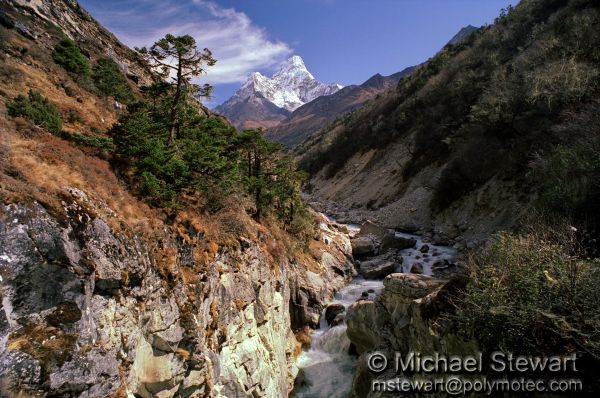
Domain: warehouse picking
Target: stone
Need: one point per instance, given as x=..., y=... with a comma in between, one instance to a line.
x=410, y=286
x=369, y=228
x=363, y=246
x=376, y=269
x=332, y=311
x=97, y=368
x=424, y=249
x=416, y=268
x=245, y=243
x=396, y=242
x=338, y=320
x=128, y=318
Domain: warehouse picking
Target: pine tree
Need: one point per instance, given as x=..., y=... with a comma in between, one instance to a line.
x=177, y=60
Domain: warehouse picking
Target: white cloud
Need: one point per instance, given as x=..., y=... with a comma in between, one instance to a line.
x=239, y=46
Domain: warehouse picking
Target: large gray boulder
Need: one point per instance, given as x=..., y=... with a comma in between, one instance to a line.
x=369, y=228
x=379, y=267
x=392, y=241
x=363, y=246
x=378, y=270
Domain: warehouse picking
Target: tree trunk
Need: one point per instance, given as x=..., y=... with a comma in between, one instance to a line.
x=258, y=192
x=249, y=164
x=176, y=98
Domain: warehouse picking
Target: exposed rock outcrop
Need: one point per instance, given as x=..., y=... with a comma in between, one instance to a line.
x=91, y=311
x=402, y=319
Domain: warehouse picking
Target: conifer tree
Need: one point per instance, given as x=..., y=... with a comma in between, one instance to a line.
x=177, y=60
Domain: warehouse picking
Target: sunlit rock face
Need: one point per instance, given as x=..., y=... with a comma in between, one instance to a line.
x=94, y=311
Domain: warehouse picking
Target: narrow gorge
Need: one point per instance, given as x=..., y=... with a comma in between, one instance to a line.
x=299, y=239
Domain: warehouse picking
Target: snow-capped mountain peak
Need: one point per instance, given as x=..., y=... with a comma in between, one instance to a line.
x=294, y=66
x=289, y=88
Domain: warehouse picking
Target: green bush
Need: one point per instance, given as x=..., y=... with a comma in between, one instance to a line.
x=200, y=159
x=111, y=81
x=37, y=109
x=92, y=141
x=570, y=180
x=531, y=293
x=67, y=54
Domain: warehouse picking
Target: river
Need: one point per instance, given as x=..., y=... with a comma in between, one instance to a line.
x=327, y=368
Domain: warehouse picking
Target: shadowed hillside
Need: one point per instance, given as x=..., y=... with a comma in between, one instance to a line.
x=473, y=133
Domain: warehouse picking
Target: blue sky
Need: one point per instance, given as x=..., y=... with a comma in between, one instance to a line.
x=341, y=41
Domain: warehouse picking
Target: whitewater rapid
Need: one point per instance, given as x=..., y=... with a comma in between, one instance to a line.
x=327, y=367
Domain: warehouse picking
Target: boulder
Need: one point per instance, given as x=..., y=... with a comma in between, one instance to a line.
x=368, y=228
x=424, y=249
x=376, y=269
x=332, y=311
x=392, y=241
x=416, y=268
x=338, y=320
x=363, y=246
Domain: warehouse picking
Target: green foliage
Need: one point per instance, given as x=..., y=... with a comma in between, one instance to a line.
x=530, y=293
x=272, y=178
x=97, y=142
x=570, y=179
x=38, y=109
x=177, y=60
x=67, y=54
x=568, y=174
x=175, y=148
x=210, y=157
x=111, y=81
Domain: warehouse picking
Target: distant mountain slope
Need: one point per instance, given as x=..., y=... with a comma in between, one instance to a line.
x=462, y=139
x=264, y=101
x=323, y=110
x=462, y=34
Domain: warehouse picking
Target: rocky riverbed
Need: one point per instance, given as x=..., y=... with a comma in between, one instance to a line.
x=331, y=365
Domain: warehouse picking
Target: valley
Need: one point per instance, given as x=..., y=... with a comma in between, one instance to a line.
x=284, y=242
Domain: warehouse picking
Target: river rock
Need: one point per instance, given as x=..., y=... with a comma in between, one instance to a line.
x=424, y=249
x=338, y=320
x=392, y=241
x=375, y=269
x=363, y=246
x=332, y=311
x=416, y=268
x=369, y=228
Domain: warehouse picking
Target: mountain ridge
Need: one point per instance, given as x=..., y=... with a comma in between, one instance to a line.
x=312, y=116
x=290, y=87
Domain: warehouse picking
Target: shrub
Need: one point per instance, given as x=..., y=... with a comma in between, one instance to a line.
x=531, y=293
x=111, y=81
x=67, y=54
x=38, y=109
x=105, y=143
x=570, y=180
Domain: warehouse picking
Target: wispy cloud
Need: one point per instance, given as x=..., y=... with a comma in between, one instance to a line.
x=240, y=46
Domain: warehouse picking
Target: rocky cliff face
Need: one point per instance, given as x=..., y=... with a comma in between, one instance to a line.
x=91, y=311
x=264, y=101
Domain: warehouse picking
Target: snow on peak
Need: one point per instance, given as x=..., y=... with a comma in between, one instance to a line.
x=290, y=87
